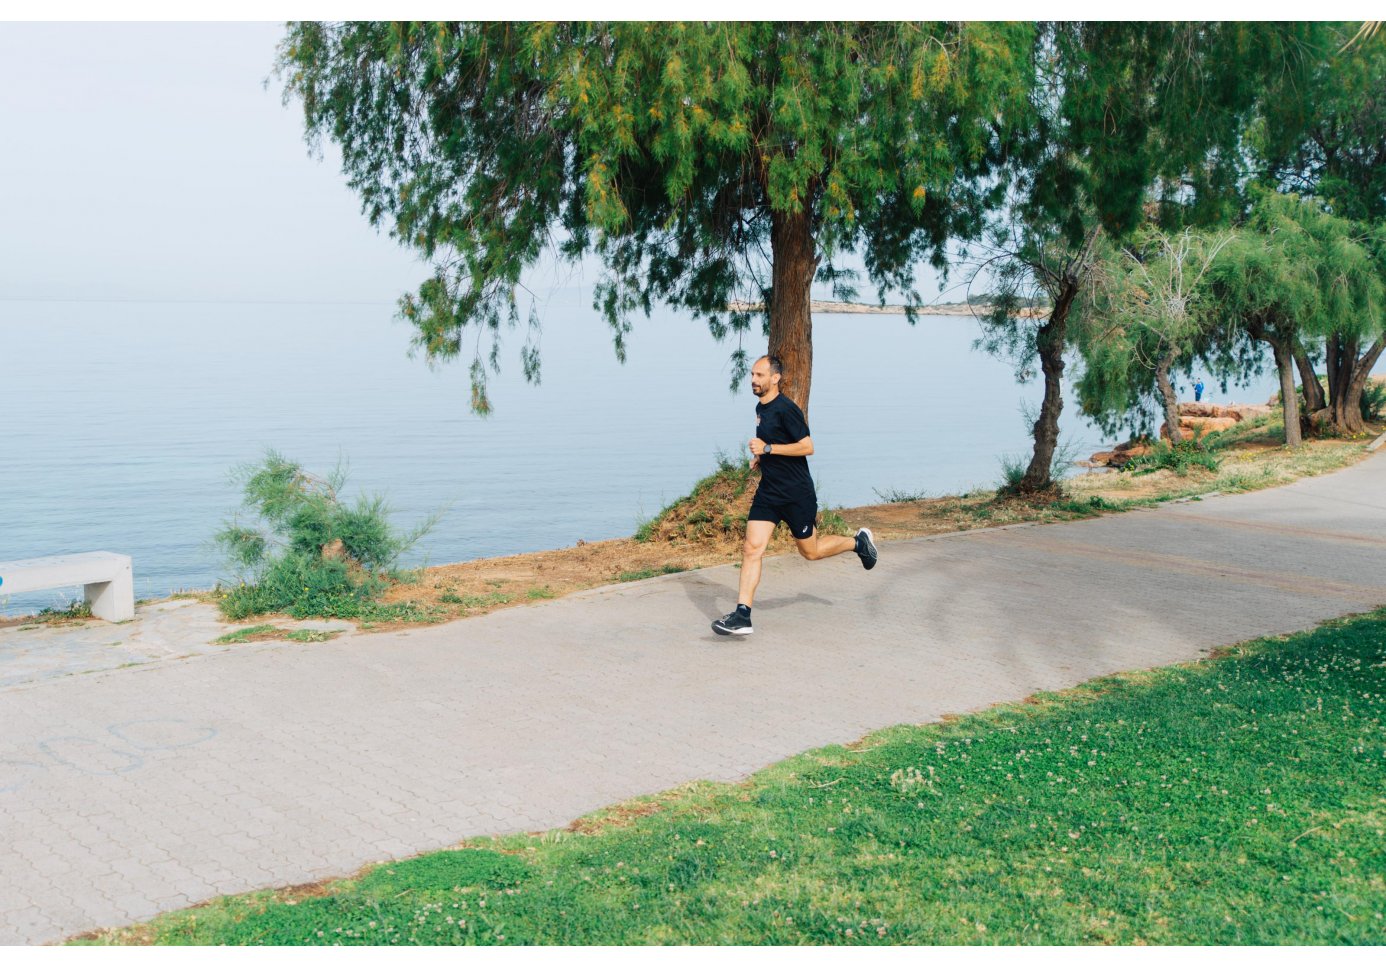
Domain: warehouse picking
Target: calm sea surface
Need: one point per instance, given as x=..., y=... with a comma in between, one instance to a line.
x=119, y=423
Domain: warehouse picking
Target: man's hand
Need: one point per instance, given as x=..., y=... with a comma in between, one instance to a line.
x=757, y=446
x=755, y=462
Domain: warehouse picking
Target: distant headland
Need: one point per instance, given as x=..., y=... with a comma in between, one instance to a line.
x=932, y=309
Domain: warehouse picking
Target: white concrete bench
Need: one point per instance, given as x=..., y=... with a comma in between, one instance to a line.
x=108, y=579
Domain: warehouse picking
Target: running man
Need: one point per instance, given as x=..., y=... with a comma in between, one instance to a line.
x=781, y=448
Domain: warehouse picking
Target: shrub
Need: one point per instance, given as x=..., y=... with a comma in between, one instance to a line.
x=1374, y=400
x=308, y=553
x=892, y=495
x=1013, y=468
x=644, y=573
x=75, y=611
x=714, y=509
x=1180, y=458
x=831, y=521
x=1012, y=471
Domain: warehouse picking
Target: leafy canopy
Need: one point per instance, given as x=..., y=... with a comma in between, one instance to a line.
x=1146, y=312
x=1298, y=272
x=659, y=148
x=1326, y=136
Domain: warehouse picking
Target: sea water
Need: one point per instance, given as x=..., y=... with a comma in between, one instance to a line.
x=120, y=424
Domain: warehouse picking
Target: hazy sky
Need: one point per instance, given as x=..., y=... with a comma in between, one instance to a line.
x=150, y=161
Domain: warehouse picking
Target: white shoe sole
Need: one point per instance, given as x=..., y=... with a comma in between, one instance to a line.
x=871, y=540
x=732, y=631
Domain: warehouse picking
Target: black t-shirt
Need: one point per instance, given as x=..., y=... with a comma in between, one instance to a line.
x=783, y=479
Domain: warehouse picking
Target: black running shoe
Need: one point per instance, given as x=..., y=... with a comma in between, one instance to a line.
x=866, y=549
x=733, y=623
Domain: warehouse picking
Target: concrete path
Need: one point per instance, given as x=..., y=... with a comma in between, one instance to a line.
x=132, y=791
x=159, y=632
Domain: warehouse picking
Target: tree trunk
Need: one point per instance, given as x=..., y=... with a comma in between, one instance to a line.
x=1340, y=359
x=791, y=323
x=1289, y=399
x=1313, y=389
x=1345, y=392
x=1176, y=436
x=1052, y=338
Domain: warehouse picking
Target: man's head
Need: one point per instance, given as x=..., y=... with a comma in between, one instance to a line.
x=766, y=375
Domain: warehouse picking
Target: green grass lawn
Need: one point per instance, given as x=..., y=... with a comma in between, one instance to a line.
x=1241, y=800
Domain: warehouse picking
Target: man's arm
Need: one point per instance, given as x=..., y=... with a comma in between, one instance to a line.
x=803, y=448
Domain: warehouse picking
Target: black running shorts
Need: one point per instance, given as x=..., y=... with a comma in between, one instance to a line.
x=799, y=515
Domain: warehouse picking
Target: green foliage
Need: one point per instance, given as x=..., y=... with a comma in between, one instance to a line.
x=475, y=601
x=243, y=635
x=892, y=495
x=644, y=573
x=707, y=509
x=1121, y=112
x=1230, y=801
x=1266, y=429
x=1374, y=400
x=74, y=611
x=1326, y=135
x=1014, y=467
x=665, y=149
x=311, y=635
x=831, y=521
x=257, y=632
x=1297, y=276
x=446, y=870
x=1012, y=472
x=1180, y=458
x=1295, y=271
x=1084, y=507
x=1325, y=138
x=309, y=554
x=1145, y=314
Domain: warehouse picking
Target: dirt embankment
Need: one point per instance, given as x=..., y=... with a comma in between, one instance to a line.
x=707, y=527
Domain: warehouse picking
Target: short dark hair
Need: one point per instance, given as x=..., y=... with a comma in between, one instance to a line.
x=775, y=365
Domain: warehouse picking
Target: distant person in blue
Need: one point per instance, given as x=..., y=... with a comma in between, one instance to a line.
x=1198, y=390
x=781, y=448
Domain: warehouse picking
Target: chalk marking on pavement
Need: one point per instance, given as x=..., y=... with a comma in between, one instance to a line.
x=61, y=749
x=1296, y=585
x=1288, y=529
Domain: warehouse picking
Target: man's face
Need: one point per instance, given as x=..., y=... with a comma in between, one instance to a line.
x=762, y=379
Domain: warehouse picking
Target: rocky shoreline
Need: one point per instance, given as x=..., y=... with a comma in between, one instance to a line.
x=1195, y=420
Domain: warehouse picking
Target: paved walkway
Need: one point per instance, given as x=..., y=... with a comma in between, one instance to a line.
x=132, y=791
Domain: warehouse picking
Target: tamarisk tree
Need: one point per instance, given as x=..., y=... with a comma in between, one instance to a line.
x=704, y=165
x=1293, y=275
x=1117, y=110
x=1147, y=311
x=1326, y=138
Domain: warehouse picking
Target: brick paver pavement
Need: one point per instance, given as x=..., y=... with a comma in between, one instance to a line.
x=133, y=791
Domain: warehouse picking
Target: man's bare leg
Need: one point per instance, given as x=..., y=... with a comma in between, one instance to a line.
x=758, y=535
x=818, y=546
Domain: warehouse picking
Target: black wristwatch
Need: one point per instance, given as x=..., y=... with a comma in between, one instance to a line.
x=767, y=448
